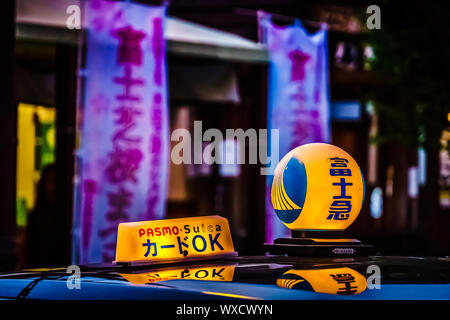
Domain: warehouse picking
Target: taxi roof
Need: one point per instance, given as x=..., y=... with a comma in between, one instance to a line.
x=254, y=277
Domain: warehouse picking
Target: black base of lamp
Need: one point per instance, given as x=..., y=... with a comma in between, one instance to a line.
x=321, y=247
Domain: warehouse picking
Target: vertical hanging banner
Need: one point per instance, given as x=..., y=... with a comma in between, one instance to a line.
x=298, y=98
x=123, y=159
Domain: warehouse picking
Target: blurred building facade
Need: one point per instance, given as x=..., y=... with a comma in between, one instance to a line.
x=226, y=88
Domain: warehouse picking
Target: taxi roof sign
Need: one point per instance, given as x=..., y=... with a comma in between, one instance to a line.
x=173, y=240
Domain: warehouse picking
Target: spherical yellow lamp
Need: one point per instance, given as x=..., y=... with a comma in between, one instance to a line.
x=317, y=187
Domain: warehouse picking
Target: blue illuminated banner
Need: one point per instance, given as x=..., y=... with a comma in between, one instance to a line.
x=346, y=110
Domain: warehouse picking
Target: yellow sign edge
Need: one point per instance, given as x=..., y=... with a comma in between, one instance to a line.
x=163, y=261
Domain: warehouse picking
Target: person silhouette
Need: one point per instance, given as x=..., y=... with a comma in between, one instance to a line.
x=42, y=223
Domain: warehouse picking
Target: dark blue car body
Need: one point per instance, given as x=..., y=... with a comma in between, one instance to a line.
x=254, y=278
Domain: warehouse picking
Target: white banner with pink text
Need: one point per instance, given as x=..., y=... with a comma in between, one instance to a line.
x=122, y=164
x=298, y=94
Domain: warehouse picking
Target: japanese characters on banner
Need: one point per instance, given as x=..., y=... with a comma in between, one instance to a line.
x=124, y=148
x=298, y=98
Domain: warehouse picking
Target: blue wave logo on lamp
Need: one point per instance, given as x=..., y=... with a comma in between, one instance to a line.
x=289, y=191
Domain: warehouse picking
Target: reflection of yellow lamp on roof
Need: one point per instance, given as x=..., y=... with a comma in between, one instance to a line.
x=317, y=188
x=342, y=281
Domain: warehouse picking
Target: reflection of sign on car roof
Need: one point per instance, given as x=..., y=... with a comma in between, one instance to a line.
x=342, y=281
x=174, y=240
x=211, y=273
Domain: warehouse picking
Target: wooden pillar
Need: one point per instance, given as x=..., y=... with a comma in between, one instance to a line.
x=66, y=67
x=254, y=96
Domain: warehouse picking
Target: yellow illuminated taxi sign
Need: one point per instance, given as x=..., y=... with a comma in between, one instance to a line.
x=206, y=273
x=173, y=240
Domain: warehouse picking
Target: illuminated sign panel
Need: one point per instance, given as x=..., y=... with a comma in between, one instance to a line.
x=173, y=239
x=346, y=110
